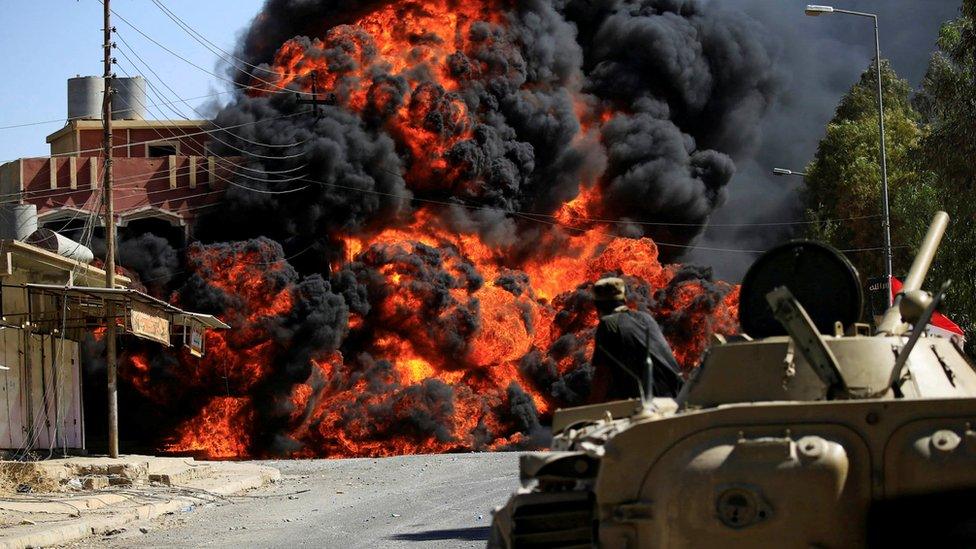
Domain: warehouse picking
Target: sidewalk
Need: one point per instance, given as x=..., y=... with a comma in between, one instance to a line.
x=72, y=498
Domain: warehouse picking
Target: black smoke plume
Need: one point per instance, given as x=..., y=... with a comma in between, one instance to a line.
x=644, y=104
x=685, y=86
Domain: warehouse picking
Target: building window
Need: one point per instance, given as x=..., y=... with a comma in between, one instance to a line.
x=157, y=150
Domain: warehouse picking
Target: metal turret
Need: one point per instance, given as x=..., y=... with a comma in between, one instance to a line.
x=806, y=364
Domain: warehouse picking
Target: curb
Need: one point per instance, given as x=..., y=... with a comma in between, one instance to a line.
x=87, y=526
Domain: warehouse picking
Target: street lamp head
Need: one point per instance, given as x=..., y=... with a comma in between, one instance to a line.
x=814, y=11
x=781, y=171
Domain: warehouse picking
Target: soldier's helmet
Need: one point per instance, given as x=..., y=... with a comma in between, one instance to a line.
x=610, y=289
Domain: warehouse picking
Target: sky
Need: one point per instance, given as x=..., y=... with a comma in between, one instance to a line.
x=819, y=59
x=37, y=59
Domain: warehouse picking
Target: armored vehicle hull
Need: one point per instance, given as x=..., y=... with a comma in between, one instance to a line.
x=830, y=474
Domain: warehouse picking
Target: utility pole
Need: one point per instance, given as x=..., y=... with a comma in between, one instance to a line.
x=110, y=326
x=330, y=98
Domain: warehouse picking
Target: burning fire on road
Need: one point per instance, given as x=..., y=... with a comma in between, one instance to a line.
x=474, y=165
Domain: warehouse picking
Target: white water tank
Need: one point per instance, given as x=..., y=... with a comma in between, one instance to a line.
x=129, y=101
x=85, y=97
x=18, y=221
x=24, y=218
x=46, y=239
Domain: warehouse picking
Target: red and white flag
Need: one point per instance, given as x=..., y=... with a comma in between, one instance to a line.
x=939, y=324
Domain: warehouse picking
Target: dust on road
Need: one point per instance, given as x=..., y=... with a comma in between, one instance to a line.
x=435, y=501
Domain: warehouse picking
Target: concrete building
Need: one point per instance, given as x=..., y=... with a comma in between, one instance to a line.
x=47, y=304
x=40, y=379
x=49, y=294
x=164, y=173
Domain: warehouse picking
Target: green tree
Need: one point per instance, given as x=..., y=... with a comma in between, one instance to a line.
x=947, y=103
x=842, y=192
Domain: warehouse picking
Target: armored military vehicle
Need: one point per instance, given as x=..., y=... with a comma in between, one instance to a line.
x=809, y=429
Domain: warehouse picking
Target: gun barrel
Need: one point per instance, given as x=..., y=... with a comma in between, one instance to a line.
x=926, y=252
x=892, y=319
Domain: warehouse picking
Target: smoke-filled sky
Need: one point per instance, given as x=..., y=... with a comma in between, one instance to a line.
x=817, y=60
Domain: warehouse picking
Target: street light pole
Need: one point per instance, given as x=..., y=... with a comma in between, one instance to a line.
x=783, y=172
x=884, y=162
x=886, y=213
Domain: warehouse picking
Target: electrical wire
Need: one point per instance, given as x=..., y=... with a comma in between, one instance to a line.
x=190, y=134
x=44, y=194
x=183, y=24
x=207, y=44
x=138, y=184
x=228, y=181
x=135, y=186
x=168, y=87
x=198, y=67
x=117, y=111
x=179, y=171
x=670, y=224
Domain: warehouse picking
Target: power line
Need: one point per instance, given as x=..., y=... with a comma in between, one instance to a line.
x=138, y=181
x=198, y=67
x=44, y=193
x=26, y=124
x=528, y=217
x=213, y=136
x=230, y=182
x=191, y=134
x=213, y=48
x=670, y=224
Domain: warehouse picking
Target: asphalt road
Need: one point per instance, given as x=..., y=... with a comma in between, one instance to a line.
x=409, y=501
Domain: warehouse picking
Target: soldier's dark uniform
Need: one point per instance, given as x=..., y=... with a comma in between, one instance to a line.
x=626, y=341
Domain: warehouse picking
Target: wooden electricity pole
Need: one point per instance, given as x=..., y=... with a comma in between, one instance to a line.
x=330, y=99
x=110, y=325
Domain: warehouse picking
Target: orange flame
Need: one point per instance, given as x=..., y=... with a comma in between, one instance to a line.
x=333, y=412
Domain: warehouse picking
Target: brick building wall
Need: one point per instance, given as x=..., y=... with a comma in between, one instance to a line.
x=174, y=188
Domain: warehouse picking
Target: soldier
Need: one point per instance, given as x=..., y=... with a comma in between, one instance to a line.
x=631, y=353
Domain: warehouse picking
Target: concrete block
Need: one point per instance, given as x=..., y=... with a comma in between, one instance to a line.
x=73, y=171
x=120, y=509
x=94, y=483
x=93, y=171
x=171, y=163
x=52, y=164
